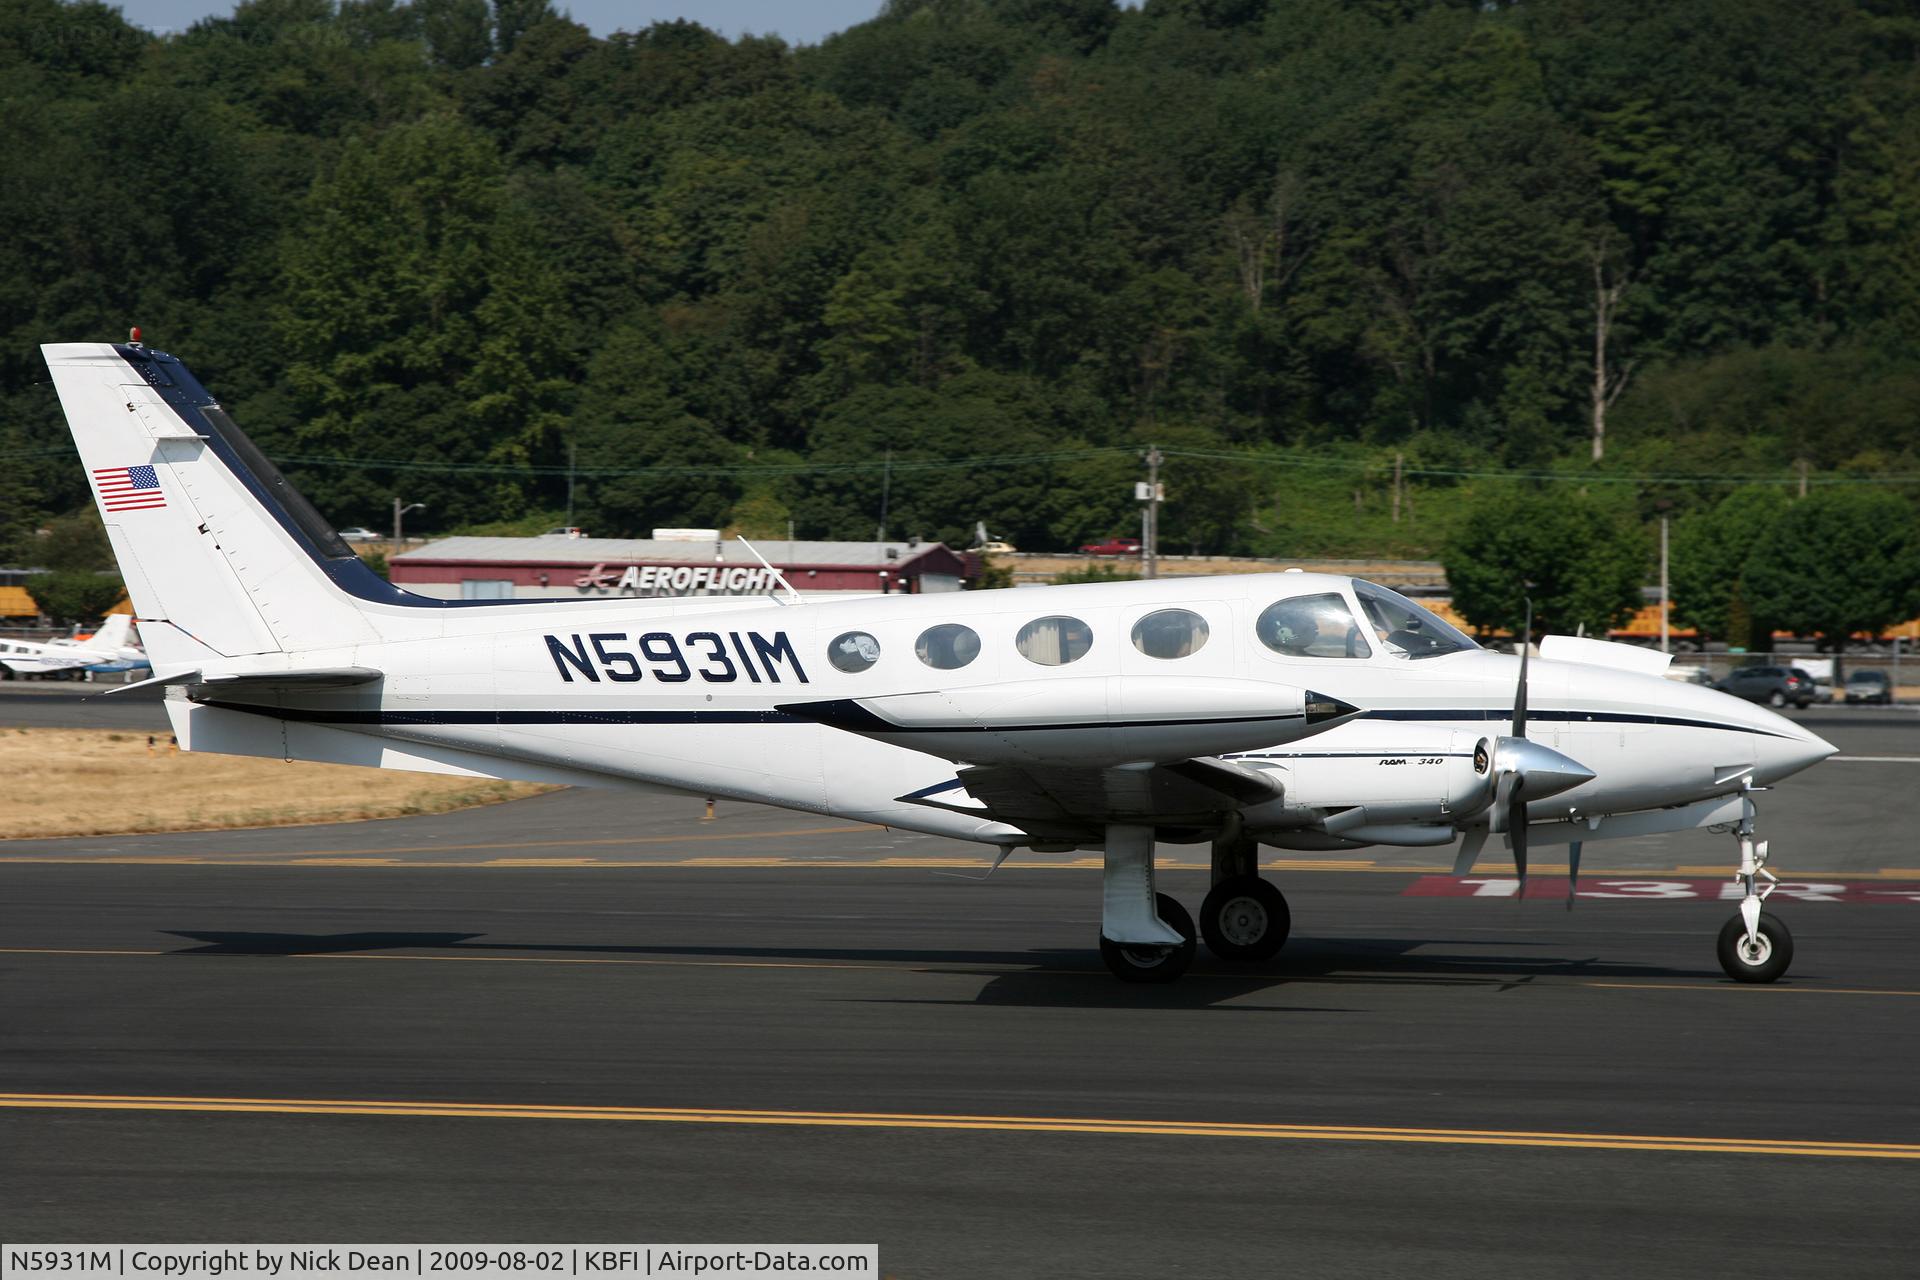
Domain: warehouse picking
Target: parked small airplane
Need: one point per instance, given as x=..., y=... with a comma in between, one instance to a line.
x=1302, y=711
x=110, y=648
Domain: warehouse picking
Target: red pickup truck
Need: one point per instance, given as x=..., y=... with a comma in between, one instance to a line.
x=1112, y=547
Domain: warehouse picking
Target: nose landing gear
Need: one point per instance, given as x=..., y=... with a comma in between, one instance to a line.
x=1754, y=946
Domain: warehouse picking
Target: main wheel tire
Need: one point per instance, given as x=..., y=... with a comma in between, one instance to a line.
x=1131, y=963
x=1767, y=960
x=1776, y=699
x=1245, y=919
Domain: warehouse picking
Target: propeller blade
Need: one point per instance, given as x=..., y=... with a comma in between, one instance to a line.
x=1573, y=872
x=1471, y=842
x=1517, y=832
x=1520, y=695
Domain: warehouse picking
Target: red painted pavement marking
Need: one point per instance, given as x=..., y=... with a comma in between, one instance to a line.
x=1655, y=887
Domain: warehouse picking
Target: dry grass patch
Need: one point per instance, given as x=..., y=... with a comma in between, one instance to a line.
x=90, y=782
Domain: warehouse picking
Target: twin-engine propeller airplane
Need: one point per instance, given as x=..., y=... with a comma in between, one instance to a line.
x=1295, y=710
x=110, y=648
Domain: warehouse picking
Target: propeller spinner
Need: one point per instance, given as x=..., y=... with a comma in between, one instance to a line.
x=1522, y=770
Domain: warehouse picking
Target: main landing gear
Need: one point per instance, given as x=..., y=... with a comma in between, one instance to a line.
x=1755, y=946
x=1146, y=936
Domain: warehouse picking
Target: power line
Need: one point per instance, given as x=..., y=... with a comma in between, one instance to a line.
x=1295, y=461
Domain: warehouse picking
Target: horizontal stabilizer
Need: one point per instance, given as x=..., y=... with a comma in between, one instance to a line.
x=310, y=678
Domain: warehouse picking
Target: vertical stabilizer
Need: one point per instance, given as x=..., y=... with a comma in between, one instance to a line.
x=114, y=633
x=209, y=537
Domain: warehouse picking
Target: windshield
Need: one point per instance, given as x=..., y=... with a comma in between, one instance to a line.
x=1405, y=629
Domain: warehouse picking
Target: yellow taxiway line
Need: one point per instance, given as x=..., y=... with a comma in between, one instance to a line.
x=983, y=1123
x=355, y=860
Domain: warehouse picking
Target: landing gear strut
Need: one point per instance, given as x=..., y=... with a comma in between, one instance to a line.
x=1755, y=946
x=1144, y=936
x=1153, y=962
x=1243, y=918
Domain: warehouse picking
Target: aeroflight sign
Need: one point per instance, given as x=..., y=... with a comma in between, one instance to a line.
x=682, y=579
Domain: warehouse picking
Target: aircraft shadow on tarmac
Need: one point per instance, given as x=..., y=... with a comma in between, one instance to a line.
x=1042, y=977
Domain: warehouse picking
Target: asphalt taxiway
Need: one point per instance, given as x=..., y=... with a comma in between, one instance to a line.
x=62, y=704
x=597, y=1017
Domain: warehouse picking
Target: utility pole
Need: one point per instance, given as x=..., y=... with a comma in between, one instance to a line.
x=886, y=493
x=1665, y=603
x=1152, y=549
x=1397, y=460
x=572, y=452
x=1801, y=465
x=400, y=515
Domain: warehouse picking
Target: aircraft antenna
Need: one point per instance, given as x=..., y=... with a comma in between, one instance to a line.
x=793, y=597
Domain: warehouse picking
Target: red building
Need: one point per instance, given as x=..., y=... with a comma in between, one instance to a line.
x=574, y=568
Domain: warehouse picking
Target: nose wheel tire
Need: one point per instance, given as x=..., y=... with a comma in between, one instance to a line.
x=1768, y=956
x=1245, y=919
x=1130, y=962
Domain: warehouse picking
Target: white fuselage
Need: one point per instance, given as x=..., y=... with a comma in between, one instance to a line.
x=683, y=696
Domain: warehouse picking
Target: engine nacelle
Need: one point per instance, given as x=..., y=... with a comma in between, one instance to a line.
x=1412, y=792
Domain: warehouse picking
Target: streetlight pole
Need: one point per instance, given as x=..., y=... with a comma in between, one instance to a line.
x=1665, y=507
x=572, y=457
x=1154, y=459
x=400, y=515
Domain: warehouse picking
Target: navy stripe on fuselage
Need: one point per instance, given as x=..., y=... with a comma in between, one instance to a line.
x=1504, y=715
x=951, y=784
x=854, y=717
x=383, y=716
x=402, y=718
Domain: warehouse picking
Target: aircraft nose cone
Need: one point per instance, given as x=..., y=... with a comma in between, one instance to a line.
x=1785, y=748
x=1783, y=756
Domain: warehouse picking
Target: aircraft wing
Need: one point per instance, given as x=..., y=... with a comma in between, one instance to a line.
x=1066, y=802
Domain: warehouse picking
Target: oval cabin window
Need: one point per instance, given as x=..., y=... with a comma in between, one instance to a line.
x=1170, y=633
x=855, y=651
x=947, y=646
x=1054, y=641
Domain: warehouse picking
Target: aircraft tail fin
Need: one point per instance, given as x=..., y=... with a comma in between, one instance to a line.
x=210, y=537
x=115, y=633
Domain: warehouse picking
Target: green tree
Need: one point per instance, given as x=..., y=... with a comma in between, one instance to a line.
x=760, y=515
x=71, y=543
x=74, y=595
x=423, y=328
x=1840, y=561
x=1709, y=558
x=1581, y=556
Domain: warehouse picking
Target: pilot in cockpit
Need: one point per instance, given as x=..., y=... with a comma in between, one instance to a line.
x=1289, y=627
x=1315, y=626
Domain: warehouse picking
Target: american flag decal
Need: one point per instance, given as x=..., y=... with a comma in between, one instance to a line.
x=128, y=488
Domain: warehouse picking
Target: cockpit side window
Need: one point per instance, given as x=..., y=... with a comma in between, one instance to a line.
x=1317, y=626
x=1404, y=629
